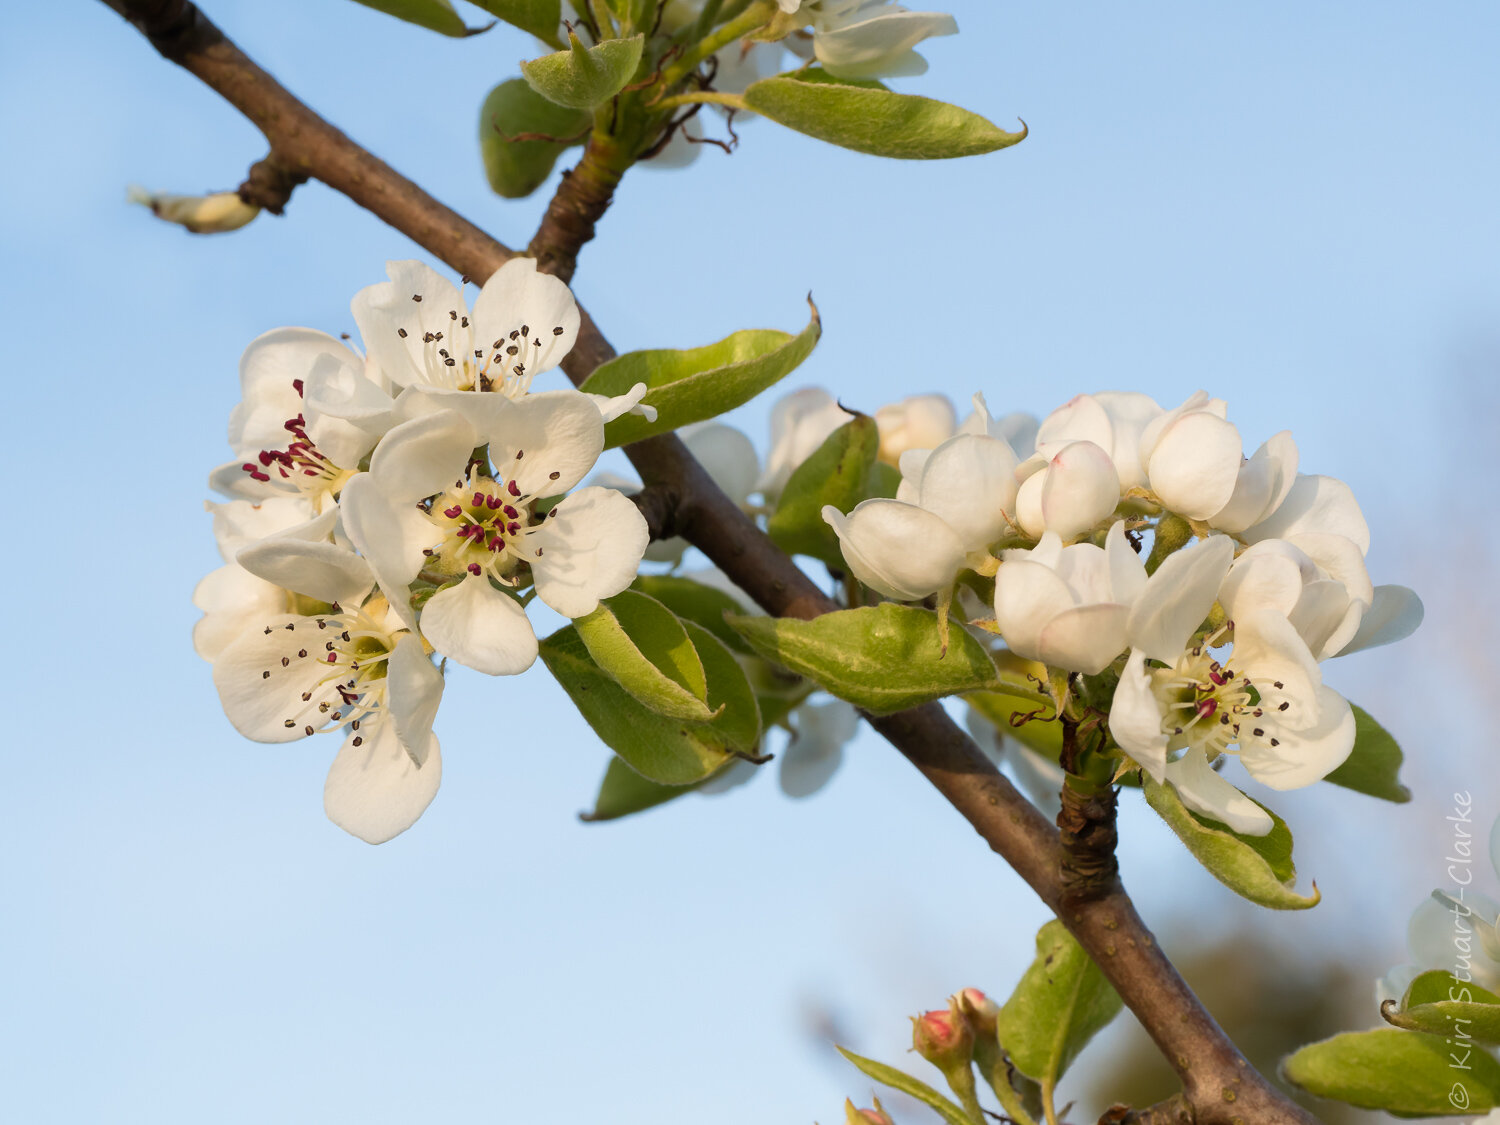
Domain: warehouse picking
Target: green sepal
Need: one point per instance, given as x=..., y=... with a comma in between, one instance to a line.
x=585, y=77
x=1374, y=763
x=1062, y=1002
x=882, y=658
x=874, y=120
x=912, y=1087
x=837, y=473
x=1439, y=1002
x=435, y=15
x=697, y=383
x=1406, y=1073
x=516, y=168
x=1258, y=868
x=540, y=17
x=693, y=601
x=645, y=649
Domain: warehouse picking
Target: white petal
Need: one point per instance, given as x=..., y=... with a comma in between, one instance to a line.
x=1085, y=639
x=414, y=688
x=1135, y=718
x=1315, y=504
x=1325, y=617
x=233, y=602
x=1306, y=755
x=385, y=310
x=1127, y=573
x=518, y=296
x=231, y=479
x=1178, y=597
x=617, y=406
x=260, y=705
x=1394, y=615
x=800, y=422
x=324, y=571
x=374, y=790
x=345, y=412
x=1082, y=418
x=1029, y=502
x=477, y=625
x=878, y=46
x=1263, y=483
x=390, y=535
x=270, y=368
x=1270, y=651
x=813, y=754
x=1270, y=575
x=727, y=455
x=969, y=481
x=898, y=550
x=1204, y=791
x=546, y=442
x=1129, y=414
x=238, y=523
x=1027, y=596
x=1081, y=488
x=1195, y=465
x=918, y=422
x=1429, y=934
x=423, y=456
x=1340, y=559
x=589, y=548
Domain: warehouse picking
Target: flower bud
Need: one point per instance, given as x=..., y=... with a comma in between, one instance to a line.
x=944, y=1037
x=876, y=1116
x=979, y=1010
x=200, y=214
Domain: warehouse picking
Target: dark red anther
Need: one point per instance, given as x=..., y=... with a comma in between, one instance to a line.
x=1220, y=678
x=495, y=543
x=474, y=569
x=511, y=513
x=333, y=658
x=297, y=386
x=1207, y=707
x=478, y=499
x=512, y=489
x=513, y=528
x=494, y=502
x=454, y=512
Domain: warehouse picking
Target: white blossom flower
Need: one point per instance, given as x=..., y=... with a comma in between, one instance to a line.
x=800, y=422
x=425, y=507
x=1112, y=420
x=870, y=38
x=295, y=675
x=916, y=422
x=1251, y=688
x=1067, y=488
x=1261, y=486
x=1067, y=606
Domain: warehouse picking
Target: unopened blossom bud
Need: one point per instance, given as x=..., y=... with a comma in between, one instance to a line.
x=944, y=1037
x=215, y=213
x=979, y=1010
x=917, y=422
x=876, y=1116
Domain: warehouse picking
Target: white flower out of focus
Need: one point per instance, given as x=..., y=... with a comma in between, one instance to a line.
x=800, y=422
x=916, y=422
x=870, y=38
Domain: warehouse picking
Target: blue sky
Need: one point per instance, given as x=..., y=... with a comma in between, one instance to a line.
x=1290, y=205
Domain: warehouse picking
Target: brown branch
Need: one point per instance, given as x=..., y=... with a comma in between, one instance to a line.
x=1219, y=1085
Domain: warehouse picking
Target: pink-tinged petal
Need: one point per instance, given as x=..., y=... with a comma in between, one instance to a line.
x=480, y=627
x=414, y=688
x=1205, y=792
x=423, y=456
x=1270, y=651
x=390, y=535
x=1303, y=754
x=263, y=697
x=324, y=571
x=1135, y=718
x=1394, y=615
x=1315, y=504
x=233, y=602
x=898, y=550
x=969, y=481
x=546, y=442
x=1081, y=418
x=1028, y=595
x=589, y=548
x=1263, y=483
x=727, y=455
x=1127, y=573
x=1195, y=465
x=1080, y=489
x=393, y=325
x=1086, y=639
x=518, y=296
x=1178, y=597
x=375, y=790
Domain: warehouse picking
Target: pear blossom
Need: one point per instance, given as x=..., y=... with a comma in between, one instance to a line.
x=1068, y=606
x=294, y=675
x=1067, y=489
x=800, y=422
x=869, y=38
x=1252, y=688
x=916, y=422
x=426, y=508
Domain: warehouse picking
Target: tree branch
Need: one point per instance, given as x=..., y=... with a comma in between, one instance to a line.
x=1219, y=1085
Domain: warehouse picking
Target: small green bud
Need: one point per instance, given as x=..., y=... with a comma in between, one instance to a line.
x=944, y=1038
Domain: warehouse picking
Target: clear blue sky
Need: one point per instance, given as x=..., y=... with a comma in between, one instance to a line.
x=1292, y=205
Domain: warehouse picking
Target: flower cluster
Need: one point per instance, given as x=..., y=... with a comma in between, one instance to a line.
x=403, y=504
x=1208, y=646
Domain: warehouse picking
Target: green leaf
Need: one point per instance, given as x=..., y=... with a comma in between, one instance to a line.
x=1439, y=1002
x=875, y=121
x=881, y=658
x=693, y=601
x=1060, y=1004
x=837, y=473
x=733, y=703
x=1374, y=762
x=540, y=17
x=1256, y=867
x=912, y=1087
x=642, y=646
x=623, y=792
x=689, y=386
x=584, y=77
x=517, y=167
x=1042, y=733
x=664, y=750
x=1403, y=1072
x=435, y=15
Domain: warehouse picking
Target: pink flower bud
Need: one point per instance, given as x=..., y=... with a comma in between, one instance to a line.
x=943, y=1037
x=979, y=1010
x=876, y=1116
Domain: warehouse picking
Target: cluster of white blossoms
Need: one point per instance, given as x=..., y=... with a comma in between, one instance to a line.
x=1217, y=652
x=396, y=506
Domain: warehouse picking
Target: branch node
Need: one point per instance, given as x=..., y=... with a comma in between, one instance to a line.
x=270, y=184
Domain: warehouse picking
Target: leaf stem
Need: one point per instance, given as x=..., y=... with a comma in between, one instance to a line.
x=711, y=97
x=754, y=17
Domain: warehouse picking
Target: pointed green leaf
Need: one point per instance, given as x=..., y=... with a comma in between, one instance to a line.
x=584, y=77
x=435, y=15
x=1402, y=1072
x=1373, y=764
x=1256, y=867
x=875, y=121
x=672, y=752
x=837, y=473
x=881, y=658
x=1060, y=1004
x=912, y=1087
x=730, y=698
x=642, y=646
x=689, y=386
x=623, y=792
x=1439, y=1002
x=693, y=601
x=513, y=112
x=540, y=17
